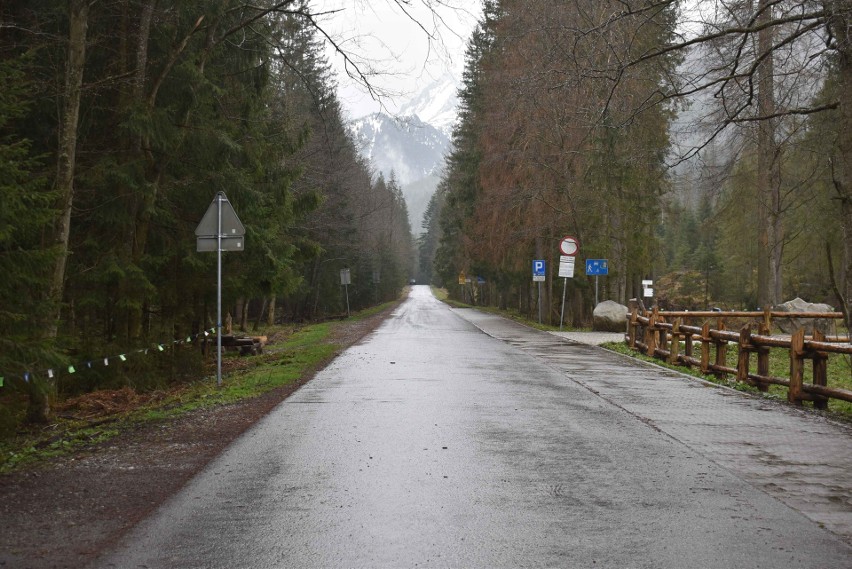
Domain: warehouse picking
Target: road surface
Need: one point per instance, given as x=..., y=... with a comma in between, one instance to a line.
x=434, y=444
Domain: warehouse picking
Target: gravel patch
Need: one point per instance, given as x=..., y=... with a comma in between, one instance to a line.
x=591, y=338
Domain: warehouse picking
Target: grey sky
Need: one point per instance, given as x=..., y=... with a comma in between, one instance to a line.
x=395, y=46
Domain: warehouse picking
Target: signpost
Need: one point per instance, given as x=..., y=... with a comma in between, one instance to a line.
x=346, y=280
x=566, y=267
x=538, y=267
x=597, y=268
x=538, y=271
x=569, y=247
x=648, y=288
x=219, y=230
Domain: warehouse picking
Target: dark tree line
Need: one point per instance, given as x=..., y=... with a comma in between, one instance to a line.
x=119, y=122
x=568, y=128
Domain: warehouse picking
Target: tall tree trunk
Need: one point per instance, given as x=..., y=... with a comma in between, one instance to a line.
x=263, y=303
x=841, y=26
x=38, y=409
x=78, y=17
x=770, y=240
x=270, y=318
x=138, y=99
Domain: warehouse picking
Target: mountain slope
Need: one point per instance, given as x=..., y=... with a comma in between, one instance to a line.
x=412, y=145
x=408, y=146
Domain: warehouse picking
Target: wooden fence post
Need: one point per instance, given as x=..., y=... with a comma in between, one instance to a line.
x=651, y=334
x=766, y=324
x=675, y=342
x=721, y=350
x=743, y=354
x=705, y=348
x=631, y=328
x=762, y=366
x=820, y=371
x=762, y=351
x=687, y=345
x=797, y=348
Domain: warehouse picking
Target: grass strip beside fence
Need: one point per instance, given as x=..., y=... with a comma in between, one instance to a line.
x=303, y=351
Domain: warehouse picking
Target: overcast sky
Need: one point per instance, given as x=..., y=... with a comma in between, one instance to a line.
x=395, y=46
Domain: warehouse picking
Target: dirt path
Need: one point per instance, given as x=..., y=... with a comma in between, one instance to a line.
x=62, y=514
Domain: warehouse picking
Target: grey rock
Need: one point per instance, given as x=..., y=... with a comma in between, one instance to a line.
x=793, y=325
x=610, y=316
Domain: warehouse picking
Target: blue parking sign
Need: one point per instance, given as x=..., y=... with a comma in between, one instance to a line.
x=538, y=267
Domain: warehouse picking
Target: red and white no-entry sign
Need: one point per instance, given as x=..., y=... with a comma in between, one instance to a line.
x=569, y=246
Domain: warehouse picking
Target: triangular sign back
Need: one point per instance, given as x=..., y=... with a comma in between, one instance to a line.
x=231, y=224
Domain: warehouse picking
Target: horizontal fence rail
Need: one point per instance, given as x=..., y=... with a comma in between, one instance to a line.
x=660, y=334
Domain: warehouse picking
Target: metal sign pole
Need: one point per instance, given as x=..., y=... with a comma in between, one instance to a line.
x=346, y=287
x=219, y=230
x=219, y=295
x=596, y=289
x=562, y=314
x=539, y=302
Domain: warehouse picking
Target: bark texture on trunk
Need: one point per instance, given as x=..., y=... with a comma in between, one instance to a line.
x=840, y=23
x=770, y=240
x=78, y=17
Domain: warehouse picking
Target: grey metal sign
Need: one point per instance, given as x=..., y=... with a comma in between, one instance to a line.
x=210, y=244
x=219, y=230
x=230, y=224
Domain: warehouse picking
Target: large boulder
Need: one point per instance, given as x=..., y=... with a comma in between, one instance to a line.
x=793, y=325
x=610, y=316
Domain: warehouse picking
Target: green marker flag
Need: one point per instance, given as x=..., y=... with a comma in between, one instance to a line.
x=71, y=369
x=1, y=381
x=122, y=358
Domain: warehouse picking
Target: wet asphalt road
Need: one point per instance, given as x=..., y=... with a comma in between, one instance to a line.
x=432, y=444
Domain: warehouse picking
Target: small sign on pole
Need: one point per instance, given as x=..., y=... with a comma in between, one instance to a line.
x=566, y=267
x=219, y=230
x=346, y=280
x=569, y=246
x=538, y=269
x=648, y=288
x=597, y=267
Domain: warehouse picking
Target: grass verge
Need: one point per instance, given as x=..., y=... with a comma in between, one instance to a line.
x=838, y=373
x=838, y=367
x=302, y=351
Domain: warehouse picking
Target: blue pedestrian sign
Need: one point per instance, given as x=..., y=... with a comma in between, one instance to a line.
x=538, y=270
x=597, y=267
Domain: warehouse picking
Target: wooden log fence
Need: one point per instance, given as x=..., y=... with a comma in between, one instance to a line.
x=660, y=335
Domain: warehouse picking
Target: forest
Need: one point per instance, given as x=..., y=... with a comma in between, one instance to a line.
x=120, y=120
x=705, y=146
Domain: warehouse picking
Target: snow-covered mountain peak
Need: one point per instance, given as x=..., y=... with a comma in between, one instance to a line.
x=412, y=144
x=436, y=104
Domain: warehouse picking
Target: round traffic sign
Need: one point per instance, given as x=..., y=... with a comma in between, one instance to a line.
x=569, y=246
